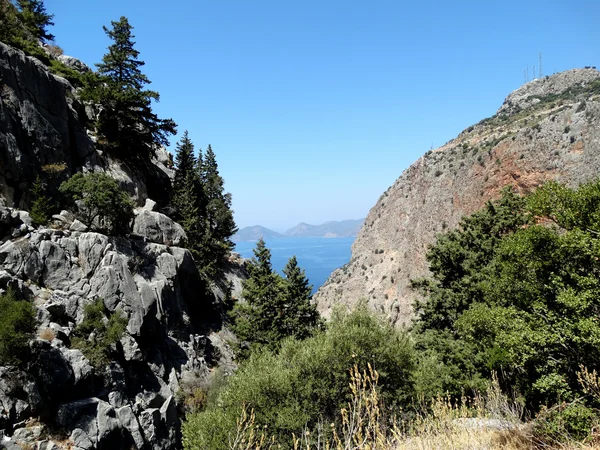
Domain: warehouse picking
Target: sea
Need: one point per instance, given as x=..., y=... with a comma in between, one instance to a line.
x=318, y=256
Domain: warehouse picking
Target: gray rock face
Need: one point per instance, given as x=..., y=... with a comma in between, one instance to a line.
x=152, y=282
x=546, y=140
x=158, y=228
x=39, y=123
x=149, y=283
x=74, y=63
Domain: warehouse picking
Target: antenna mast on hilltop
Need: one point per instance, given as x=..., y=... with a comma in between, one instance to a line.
x=533, y=72
x=541, y=65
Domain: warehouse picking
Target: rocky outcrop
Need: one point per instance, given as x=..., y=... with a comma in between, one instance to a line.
x=43, y=131
x=131, y=402
x=156, y=227
x=549, y=129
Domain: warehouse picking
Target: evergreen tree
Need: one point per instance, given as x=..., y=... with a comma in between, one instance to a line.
x=275, y=308
x=255, y=321
x=8, y=22
x=34, y=17
x=126, y=120
x=41, y=207
x=188, y=192
x=220, y=225
x=301, y=317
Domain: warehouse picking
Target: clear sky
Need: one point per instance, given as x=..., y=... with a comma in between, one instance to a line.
x=315, y=107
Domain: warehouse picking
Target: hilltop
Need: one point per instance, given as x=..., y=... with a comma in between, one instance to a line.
x=331, y=229
x=548, y=129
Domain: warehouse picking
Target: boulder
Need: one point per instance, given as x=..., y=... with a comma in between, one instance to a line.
x=74, y=63
x=158, y=228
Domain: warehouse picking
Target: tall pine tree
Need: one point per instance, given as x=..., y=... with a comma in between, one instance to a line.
x=255, y=320
x=301, y=317
x=126, y=121
x=188, y=193
x=36, y=20
x=275, y=308
x=220, y=225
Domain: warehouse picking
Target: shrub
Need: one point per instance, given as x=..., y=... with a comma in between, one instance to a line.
x=41, y=207
x=307, y=381
x=17, y=325
x=98, y=201
x=96, y=334
x=565, y=422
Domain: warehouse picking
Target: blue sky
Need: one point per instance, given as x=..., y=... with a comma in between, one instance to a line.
x=314, y=108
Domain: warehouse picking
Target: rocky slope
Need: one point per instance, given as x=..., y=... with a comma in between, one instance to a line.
x=549, y=129
x=43, y=124
x=173, y=333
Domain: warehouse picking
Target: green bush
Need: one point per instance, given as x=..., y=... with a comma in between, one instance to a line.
x=106, y=333
x=41, y=207
x=98, y=201
x=565, y=422
x=307, y=381
x=17, y=325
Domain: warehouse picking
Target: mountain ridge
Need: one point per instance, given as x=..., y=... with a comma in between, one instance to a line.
x=330, y=229
x=548, y=129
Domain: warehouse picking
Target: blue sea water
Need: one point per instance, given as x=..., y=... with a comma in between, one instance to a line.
x=316, y=255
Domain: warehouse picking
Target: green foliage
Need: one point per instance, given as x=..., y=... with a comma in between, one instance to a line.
x=96, y=334
x=515, y=297
x=41, y=207
x=219, y=223
x=202, y=207
x=459, y=258
x=300, y=318
x=99, y=201
x=565, y=422
x=126, y=121
x=275, y=308
x=188, y=193
x=36, y=20
x=17, y=325
x=307, y=381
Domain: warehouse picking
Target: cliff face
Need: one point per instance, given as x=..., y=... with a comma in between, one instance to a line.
x=43, y=123
x=173, y=334
x=549, y=129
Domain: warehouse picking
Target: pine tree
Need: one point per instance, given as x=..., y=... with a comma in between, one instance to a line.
x=34, y=17
x=220, y=225
x=188, y=193
x=126, y=120
x=255, y=321
x=301, y=315
x=275, y=308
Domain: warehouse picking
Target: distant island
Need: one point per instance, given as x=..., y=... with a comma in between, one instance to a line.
x=332, y=229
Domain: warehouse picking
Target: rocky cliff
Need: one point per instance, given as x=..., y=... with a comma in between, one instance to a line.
x=42, y=123
x=549, y=129
x=173, y=334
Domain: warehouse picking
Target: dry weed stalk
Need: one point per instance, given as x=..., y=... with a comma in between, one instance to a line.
x=248, y=435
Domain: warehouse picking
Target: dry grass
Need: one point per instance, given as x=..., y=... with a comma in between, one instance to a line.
x=48, y=334
x=490, y=422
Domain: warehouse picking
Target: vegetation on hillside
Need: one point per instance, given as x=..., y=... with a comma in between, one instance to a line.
x=202, y=207
x=98, y=332
x=126, y=123
x=512, y=305
x=275, y=307
x=17, y=325
x=305, y=383
x=98, y=202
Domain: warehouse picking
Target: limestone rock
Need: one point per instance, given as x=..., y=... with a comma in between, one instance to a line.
x=74, y=63
x=156, y=227
x=555, y=141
